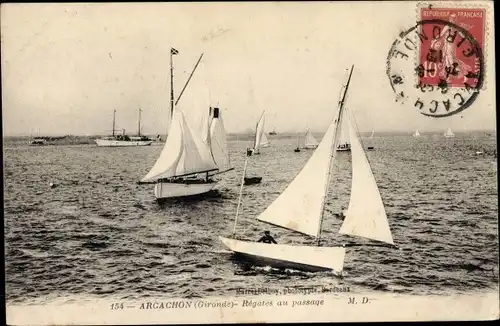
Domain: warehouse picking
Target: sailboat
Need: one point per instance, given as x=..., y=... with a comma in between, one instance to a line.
x=260, y=139
x=449, y=133
x=301, y=207
x=416, y=133
x=309, y=141
x=344, y=143
x=123, y=140
x=296, y=150
x=371, y=136
x=190, y=158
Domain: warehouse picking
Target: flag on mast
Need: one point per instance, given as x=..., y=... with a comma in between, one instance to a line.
x=173, y=51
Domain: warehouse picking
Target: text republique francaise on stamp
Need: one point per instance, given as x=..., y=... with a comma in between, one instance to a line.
x=437, y=65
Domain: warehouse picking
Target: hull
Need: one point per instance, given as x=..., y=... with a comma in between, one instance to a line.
x=343, y=149
x=164, y=190
x=310, y=146
x=122, y=143
x=307, y=258
x=252, y=180
x=448, y=136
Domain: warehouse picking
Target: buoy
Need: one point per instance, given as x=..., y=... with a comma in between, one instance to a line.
x=52, y=185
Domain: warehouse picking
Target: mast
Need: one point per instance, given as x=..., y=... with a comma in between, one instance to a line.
x=171, y=84
x=332, y=149
x=139, y=123
x=114, y=114
x=241, y=192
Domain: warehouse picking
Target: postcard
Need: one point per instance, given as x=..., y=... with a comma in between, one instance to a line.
x=249, y=162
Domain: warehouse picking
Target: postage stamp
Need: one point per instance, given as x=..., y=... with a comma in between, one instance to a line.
x=449, y=55
x=438, y=64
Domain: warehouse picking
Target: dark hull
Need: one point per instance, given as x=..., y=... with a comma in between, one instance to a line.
x=252, y=180
x=276, y=263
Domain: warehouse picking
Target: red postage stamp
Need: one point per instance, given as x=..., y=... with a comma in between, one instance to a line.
x=448, y=54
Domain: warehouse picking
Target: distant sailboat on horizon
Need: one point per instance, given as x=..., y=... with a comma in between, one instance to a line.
x=301, y=208
x=344, y=144
x=296, y=150
x=416, y=134
x=260, y=139
x=310, y=141
x=449, y=133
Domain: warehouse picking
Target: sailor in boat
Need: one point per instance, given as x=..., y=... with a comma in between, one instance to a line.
x=267, y=238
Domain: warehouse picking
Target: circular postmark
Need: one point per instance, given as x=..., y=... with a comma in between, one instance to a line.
x=437, y=67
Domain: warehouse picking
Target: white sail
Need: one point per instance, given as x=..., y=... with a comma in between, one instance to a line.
x=344, y=130
x=264, y=142
x=195, y=102
x=184, y=153
x=309, y=140
x=373, y=132
x=449, y=133
x=259, y=131
x=299, y=207
x=416, y=134
x=206, y=126
x=365, y=216
x=218, y=143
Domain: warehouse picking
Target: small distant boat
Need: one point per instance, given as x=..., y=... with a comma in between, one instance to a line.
x=38, y=142
x=371, y=148
x=260, y=139
x=124, y=140
x=416, y=134
x=252, y=180
x=273, y=133
x=309, y=141
x=301, y=208
x=344, y=144
x=449, y=133
x=296, y=150
x=371, y=136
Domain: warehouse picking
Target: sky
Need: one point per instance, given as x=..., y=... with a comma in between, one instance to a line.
x=66, y=67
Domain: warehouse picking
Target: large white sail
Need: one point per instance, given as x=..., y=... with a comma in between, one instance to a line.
x=218, y=143
x=309, y=140
x=259, y=131
x=365, y=216
x=299, y=207
x=184, y=153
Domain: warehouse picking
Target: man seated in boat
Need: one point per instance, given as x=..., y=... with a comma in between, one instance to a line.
x=267, y=238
